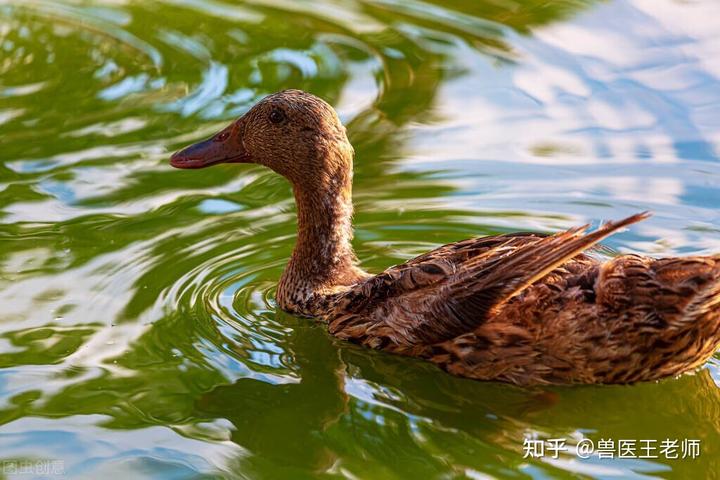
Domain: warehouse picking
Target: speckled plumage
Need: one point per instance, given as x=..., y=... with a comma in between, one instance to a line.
x=521, y=308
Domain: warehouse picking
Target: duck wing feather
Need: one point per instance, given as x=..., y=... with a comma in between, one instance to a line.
x=455, y=288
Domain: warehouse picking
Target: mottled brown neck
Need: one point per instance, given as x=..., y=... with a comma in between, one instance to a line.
x=323, y=258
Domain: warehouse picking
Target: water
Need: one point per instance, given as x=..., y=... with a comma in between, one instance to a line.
x=138, y=335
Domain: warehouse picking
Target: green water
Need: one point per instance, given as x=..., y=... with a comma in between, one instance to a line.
x=138, y=332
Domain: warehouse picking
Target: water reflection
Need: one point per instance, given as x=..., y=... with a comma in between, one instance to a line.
x=138, y=335
x=304, y=411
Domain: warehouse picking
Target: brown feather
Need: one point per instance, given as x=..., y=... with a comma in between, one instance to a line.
x=522, y=308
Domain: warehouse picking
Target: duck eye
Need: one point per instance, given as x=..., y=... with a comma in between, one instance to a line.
x=277, y=116
x=222, y=136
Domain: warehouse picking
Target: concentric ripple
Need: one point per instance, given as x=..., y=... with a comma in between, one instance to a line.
x=138, y=332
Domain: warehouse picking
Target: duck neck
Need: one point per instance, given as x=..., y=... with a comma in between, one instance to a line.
x=323, y=259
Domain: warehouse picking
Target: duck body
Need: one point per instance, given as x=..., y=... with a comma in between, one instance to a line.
x=629, y=319
x=522, y=308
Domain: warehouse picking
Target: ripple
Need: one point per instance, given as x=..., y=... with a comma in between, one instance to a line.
x=213, y=85
x=137, y=301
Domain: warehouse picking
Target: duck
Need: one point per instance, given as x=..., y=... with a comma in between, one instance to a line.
x=521, y=308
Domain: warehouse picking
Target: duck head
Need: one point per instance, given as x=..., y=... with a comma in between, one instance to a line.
x=299, y=136
x=294, y=133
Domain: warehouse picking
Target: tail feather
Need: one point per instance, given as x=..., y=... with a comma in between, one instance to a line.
x=672, y=311
x=693, y=336
x=707, y=297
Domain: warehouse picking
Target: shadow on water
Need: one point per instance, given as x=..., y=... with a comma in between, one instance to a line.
x=138, y=335
x=365, y=411
x=303, y=411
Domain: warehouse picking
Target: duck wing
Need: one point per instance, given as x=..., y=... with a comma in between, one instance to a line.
x=455, y=288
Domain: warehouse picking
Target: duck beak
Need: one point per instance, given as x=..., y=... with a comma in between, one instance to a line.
x=224, y=147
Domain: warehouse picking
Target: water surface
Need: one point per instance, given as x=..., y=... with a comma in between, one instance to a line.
x=138, y=335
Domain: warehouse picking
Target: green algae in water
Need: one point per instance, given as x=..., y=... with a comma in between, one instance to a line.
x=138, y=335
